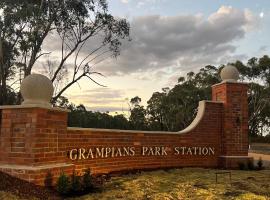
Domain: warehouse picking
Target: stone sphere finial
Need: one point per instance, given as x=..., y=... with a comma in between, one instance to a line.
x=229, y=74
x=37, y=90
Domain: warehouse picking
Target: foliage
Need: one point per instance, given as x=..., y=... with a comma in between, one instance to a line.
x=87, y=180
x=63, y=184
x=156, y=111
x=260, y=139
x=25, y=26
x=80, y=117
x=241, y=165
x=260, y=164
x=75, y=185
x=250, y=165
x=174, y=109
x=48, y=179
x=137, y=116
x=257, y=73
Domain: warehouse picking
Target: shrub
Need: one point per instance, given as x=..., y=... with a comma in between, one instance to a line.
x=260, y=164
x=48, y=179
x=63, y=184
x=241, y=166
x=75, y=183
x=87, y=180
x=250, y=165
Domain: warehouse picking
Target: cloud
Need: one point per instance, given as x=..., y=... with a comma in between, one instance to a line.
x=101, y=98
x=106, y=95
x=261, y=14
x=111, y=109
x=124, y=1
x=263, y=48
x=183, y=41
x=141, y=3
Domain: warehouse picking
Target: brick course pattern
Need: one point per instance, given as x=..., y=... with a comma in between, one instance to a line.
x=34, y=141
x=235, y=122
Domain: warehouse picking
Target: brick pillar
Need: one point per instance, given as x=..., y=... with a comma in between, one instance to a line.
x=31, y=141
x=234, y=138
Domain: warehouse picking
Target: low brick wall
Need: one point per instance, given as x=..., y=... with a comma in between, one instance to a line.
x=148, y=146
x=36, y=140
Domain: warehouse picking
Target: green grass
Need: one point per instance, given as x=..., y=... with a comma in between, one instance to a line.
x=187, y=183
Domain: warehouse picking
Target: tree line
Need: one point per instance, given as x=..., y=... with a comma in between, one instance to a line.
x=174, y=109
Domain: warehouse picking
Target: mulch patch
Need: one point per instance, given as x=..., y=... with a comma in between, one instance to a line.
x=25, y=189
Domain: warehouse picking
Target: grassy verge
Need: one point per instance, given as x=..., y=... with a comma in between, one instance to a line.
x=187, y=183
x=10, y=196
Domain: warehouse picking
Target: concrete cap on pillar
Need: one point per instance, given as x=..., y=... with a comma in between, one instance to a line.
x=37, y=89
x=229, y=74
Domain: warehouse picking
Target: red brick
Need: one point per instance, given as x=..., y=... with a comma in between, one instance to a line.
x=36, y=136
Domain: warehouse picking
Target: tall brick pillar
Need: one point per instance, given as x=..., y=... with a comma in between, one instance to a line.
x=32, y=135
x=234, y=138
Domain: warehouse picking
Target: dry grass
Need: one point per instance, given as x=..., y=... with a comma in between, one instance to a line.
x=9, y=196
x=187, y=183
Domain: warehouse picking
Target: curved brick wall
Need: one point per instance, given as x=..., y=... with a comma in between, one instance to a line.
x=206, y=134
x=36, y=140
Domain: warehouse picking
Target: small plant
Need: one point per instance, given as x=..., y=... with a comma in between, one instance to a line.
x=260, y=164
x=250, y=165
x=87, y=180
x=75, y=183
x=63, y=184
x=241, y=166
x=48, y=179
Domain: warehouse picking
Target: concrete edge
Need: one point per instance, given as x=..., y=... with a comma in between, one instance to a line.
x=33, y=106
x=119, y=131
x=230, y=82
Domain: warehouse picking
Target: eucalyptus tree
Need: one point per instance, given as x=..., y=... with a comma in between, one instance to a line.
x=174, y=109
x=137, y=116
x=257, y=73
x=26, y=24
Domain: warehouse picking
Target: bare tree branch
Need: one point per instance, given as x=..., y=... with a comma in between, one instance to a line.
x=95, y=81
x=42, y=54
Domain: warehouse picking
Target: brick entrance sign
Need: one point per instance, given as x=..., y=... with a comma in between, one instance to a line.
x=35, y=139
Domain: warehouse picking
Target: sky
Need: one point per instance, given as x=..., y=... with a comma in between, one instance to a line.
x=169, y=39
